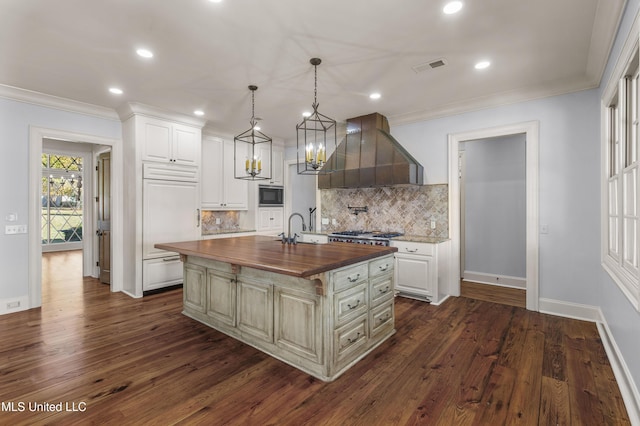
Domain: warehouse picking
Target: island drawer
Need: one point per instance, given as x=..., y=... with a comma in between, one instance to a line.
x=349, y=338
x=381, y=289
x=381, y=266
x=349, y=276
x=382, y=318
x=350, y=303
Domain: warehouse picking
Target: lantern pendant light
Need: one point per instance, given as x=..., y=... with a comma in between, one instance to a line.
x=251, y=149
x=314, y=135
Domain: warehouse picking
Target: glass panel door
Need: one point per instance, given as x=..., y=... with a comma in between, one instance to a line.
x=62, y=207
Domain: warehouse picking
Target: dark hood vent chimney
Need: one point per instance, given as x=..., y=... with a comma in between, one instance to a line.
x=369, y=156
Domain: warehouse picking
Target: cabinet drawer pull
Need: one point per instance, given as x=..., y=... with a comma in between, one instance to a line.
x=384, y=290
x=353, y=280
x=384, y=268
x=354, y=340
x=354, y=306
x=171, y=259
x=411, y=251
x=385, y=318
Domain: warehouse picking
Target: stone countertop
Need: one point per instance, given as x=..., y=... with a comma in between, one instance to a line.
x=421, y=239
x=269, y=254
x=409, y=238
x=227, y=231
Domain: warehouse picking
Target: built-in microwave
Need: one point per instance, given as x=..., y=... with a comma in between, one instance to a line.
x=270, y=196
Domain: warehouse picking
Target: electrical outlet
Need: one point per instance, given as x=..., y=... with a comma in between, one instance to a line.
x=13, y=305
x=11, y=217
x=218, y=221
x=15, y=229
x=334, y=222
x=433, y=224
x=325, y=220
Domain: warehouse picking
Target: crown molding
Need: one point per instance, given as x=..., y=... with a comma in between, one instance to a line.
x=130, y=109
x=492, y=101
x=55, y=102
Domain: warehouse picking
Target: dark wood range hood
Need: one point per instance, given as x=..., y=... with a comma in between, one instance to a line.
x=369, y=156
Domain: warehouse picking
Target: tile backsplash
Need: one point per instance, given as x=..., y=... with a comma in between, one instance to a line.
x=407, y=209
x=229, y=220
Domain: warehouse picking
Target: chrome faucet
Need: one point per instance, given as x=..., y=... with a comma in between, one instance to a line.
x=289, y=239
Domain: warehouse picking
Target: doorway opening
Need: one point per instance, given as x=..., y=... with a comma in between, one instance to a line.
x=493, y=219
x=530, y=132
x=69, y=217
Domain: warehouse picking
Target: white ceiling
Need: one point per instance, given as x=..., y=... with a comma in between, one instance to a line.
x=206, y=54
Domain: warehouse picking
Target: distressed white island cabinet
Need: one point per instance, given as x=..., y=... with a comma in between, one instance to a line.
x=318, y=307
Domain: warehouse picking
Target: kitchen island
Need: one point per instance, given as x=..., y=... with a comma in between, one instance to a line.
x=318, y=307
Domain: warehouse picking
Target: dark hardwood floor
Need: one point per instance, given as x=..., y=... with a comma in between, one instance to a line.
x=140, y=361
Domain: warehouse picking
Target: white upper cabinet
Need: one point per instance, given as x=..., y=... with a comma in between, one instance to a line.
x=220, y=190
x=164, y=141
x=277, y=173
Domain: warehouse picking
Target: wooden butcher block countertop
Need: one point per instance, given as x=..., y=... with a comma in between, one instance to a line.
x=269, y=254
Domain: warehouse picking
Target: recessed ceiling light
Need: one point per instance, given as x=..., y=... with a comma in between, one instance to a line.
x=115, y=91
x=375, y=96
x=145, y=53
x=198, y=112
x=452, y=7
x=306, y=114
x=215, y=1
x=482, y=65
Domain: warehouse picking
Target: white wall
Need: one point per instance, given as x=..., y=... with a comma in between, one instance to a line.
x=15, y=119
x=495, y=206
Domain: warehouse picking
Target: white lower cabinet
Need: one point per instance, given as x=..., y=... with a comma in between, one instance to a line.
x=321, y=326
x=271, y=219
x=421, y=270
x=161, y=272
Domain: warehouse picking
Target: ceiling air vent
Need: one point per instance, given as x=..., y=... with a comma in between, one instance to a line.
x=429, y=65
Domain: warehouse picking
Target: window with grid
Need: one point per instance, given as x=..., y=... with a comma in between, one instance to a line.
x=62, y=209
x=621, y=255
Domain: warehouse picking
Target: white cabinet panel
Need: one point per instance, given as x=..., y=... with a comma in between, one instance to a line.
x=220, y=189
x=414, y=274
x=169, y=214
x=161, y=272
x=164, y=141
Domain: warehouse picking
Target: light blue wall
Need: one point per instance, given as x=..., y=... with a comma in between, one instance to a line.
x=621, y=316
x=15, y=120
x=495, y=219
x=569, y=181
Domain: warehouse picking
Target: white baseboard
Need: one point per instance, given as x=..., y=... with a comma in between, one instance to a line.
x=493, y=279
x=570, y=310
x=628, y=388
x=17, y=304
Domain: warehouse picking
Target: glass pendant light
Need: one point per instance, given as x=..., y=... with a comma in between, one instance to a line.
x=314, y=135
x=251, y=149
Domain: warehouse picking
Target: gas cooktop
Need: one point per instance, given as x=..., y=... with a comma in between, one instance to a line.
x=363, y=237
x=367, y=234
